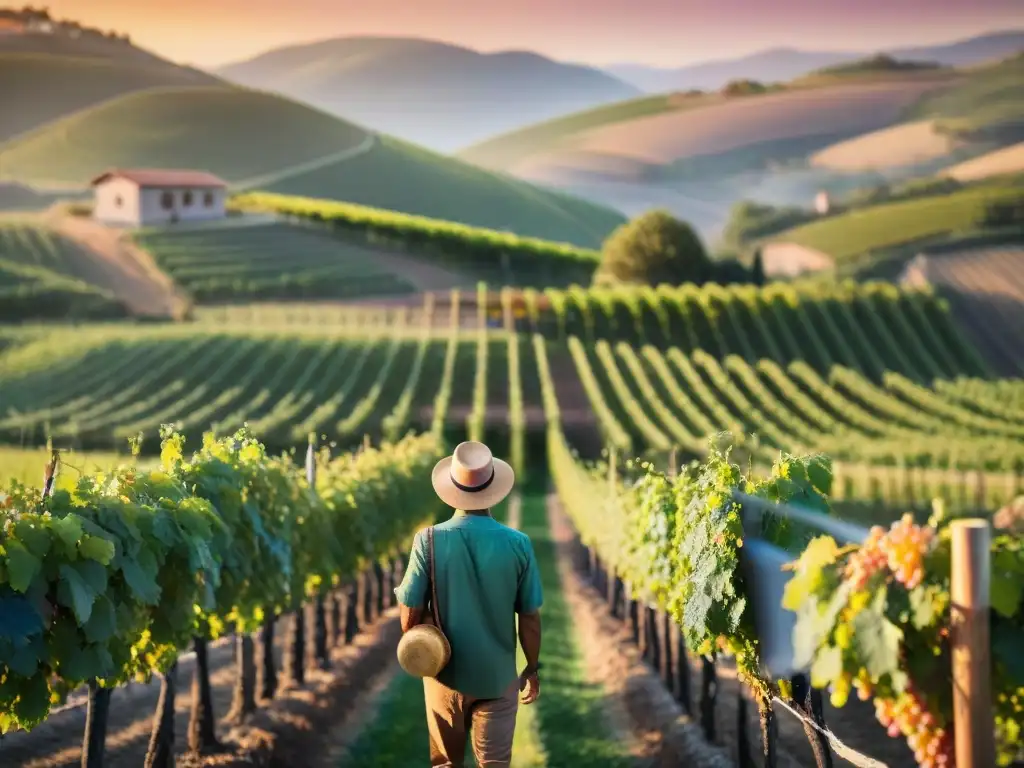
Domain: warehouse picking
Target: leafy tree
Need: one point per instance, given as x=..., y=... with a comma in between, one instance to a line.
x=757, y=269
x=654, y=248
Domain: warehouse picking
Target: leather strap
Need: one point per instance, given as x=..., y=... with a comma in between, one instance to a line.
x=435, y=611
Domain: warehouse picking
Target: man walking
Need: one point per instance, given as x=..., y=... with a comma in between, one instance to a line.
x=485, y=574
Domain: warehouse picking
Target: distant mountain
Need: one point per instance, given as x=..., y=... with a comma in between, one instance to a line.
x=441, y=96
x=787, y=63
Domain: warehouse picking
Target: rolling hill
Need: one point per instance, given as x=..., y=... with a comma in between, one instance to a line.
x=441, y=96
x=259, y=140
x=974, y=115
x=705, y=128
x=900, y=228
x=780, y=64
x=49, y=76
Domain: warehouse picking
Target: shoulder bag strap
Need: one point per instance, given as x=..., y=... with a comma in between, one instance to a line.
x=433, y=580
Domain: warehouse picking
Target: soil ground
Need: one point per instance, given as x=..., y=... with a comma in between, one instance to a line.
x=112, y=261
x=56, y=743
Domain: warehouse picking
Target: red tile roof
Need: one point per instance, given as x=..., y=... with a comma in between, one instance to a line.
x=158, y=177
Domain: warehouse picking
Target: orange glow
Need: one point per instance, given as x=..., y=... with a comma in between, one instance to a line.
x=658, y=32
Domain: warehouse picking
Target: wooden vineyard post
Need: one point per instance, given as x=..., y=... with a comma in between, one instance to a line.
x=742, y=736
x=808, y=701
x=161, y=743
x=683, y=673
x=266, y=671
x=973, y=723
x=95, y=739
x=708, y=696
x=202, y=734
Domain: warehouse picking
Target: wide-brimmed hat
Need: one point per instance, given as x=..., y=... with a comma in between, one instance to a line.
x=471, y=478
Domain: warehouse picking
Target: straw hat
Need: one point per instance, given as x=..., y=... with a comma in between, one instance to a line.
x=424, y=651
x=471, y=478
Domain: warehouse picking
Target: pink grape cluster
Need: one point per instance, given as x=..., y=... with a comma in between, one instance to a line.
x=909, y=716
x=901, y=549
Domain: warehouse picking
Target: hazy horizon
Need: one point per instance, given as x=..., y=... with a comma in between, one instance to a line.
x=661, y=33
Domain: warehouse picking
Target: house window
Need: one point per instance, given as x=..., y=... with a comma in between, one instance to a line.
x=118, y=201
x=208, y=199
x=187, y=199
x=167, y=200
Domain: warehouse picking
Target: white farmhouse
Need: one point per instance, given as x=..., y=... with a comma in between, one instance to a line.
x=144, y=197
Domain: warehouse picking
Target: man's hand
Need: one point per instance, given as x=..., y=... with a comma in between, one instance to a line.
x=529, y=682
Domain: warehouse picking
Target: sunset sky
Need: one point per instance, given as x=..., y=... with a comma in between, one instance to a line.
x=658, y=32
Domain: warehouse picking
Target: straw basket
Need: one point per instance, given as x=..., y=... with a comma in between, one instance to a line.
x=424, y=651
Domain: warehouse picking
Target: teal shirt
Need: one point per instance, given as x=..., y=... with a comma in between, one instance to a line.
x=486, y=573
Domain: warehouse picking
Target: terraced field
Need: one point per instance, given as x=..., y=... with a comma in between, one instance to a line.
x=42, y=277
x=272, y=261
x=986, y=288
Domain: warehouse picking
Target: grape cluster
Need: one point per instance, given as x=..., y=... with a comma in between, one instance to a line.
x=901, y=549
x=908, y=715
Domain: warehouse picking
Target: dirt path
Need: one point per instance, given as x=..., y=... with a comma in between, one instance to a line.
x=367, y=144
x=112, y=261
x=57, y=742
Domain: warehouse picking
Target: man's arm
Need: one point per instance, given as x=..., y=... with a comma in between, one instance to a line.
x=410, y=617
x=412, y=592
x=528, y=602
x=529, y=638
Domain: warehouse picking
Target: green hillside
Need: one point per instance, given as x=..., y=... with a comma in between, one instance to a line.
x=234, y=133
x=397, y=176
x=258, y=140
x=874, y=229
x=987, y=104
x=49, y=86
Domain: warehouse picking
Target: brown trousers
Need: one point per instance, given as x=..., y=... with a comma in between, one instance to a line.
x=451, y=716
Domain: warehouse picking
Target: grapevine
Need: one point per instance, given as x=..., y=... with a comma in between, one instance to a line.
x=874, y=618
x=111, y=580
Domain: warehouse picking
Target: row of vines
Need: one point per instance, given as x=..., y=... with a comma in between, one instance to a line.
x=112, y=580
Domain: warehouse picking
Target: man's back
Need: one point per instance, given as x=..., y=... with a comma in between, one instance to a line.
x=486, y=573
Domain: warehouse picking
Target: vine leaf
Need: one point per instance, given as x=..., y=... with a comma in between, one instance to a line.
x=820, y=552
x=33, y=699
x=74, y=592
x=21, y=621
x=68, y=531
x=102, y=624
x=1006, y=644
x=141, y=577
x=96, y=548
x=22, y=566
x=926, y=605
x=1007, y=584
x=827, y=666
x=819, y=472
x=877, y=639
